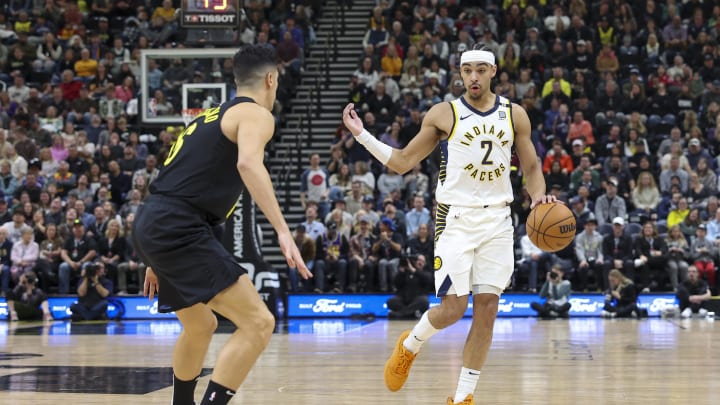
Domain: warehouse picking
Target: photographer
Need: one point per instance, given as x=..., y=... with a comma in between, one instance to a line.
x=557, y=293
x=412, y=284
x=26, y=302
x=621, y=298
x=92, y=292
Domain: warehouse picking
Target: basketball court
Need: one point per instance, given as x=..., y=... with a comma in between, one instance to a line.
x=340, y=361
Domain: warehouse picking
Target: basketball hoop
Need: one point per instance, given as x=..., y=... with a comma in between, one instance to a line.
x=189, y=114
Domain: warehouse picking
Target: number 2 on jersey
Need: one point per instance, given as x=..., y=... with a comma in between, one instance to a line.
x=488, y=146
x=175, y=149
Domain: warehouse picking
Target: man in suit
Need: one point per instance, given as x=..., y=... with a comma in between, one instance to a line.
x=618, y=252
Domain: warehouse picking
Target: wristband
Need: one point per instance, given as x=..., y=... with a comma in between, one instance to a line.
x=379, y=150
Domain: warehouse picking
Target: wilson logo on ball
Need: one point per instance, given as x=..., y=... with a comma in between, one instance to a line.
x=567, y=228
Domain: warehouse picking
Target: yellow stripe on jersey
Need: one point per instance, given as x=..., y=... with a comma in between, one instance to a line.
x=442, y=211
x=227, y=216
x=512, y=123
x=442, y=174
x=455, y=121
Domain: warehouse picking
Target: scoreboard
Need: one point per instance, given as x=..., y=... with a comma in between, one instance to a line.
x=210, y=14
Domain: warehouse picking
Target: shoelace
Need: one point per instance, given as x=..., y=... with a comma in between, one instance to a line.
x=404, y=364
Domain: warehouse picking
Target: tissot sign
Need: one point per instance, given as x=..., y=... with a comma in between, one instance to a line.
x=192, y=20
x=210, y=13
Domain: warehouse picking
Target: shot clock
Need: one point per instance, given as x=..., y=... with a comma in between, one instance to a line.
x=210, y=14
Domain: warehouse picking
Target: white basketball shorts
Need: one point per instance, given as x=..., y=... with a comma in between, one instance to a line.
x=473, y=246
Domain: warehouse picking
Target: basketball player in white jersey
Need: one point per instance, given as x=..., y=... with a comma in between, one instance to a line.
x=474, y=232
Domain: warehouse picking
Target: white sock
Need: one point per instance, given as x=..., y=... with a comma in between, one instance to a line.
x=466, y=384
x=422, y=331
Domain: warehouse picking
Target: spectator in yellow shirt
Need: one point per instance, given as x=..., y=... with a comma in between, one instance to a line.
x=557, y=76
x=166, y=12
x=391, y=63
x=85, y=68
x=678, y=214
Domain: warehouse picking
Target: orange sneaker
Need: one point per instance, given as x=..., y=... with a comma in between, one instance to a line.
x=468, y=401
x=398, y=365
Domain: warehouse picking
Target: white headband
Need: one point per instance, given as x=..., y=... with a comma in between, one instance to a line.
x=477, y=56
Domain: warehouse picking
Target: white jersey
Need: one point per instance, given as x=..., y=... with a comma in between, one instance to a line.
x=475, y=163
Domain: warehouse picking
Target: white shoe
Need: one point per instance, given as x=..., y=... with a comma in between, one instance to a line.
x=686, y=313
x=606, y=314
x=702, y=312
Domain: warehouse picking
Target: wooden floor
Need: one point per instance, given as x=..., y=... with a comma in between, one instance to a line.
x=577, y=361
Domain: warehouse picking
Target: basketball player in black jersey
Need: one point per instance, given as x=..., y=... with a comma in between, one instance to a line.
x=219, y=152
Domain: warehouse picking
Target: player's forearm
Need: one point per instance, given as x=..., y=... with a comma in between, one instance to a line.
x=535, y=182
x=257, y=181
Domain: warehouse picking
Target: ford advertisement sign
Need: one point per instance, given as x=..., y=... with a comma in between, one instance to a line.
x=344, y=305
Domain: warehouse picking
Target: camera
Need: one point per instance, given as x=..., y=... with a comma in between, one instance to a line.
x=91, y=270
x=31, y=278
x=553, y=275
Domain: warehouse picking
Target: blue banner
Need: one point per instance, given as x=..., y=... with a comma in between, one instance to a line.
x=341, y=305
x=345, y=305
x=119, y=307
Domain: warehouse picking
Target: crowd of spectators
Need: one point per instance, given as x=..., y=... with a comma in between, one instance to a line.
x=623, y=98
x=75, y=162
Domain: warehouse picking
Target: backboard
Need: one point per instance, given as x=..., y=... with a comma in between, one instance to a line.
x=183, y=78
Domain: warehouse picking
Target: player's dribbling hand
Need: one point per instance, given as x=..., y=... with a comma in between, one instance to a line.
x=547, y=198
x=151, y=284
x=292, y=255
x=351, y=120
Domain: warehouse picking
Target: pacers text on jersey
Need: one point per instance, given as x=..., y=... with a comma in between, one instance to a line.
x=484, y=173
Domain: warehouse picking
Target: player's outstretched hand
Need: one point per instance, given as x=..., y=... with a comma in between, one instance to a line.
x=547, y=198
x=292, y=255
x=351, y=120
x=151, y=284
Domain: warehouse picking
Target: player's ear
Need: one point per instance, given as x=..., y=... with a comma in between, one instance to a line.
x=270, y=78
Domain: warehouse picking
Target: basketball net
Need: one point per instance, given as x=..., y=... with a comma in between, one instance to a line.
x=189, y=114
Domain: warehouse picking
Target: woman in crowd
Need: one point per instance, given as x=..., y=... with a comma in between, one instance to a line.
x=621, y=298
x=646, y=195
x=678, y=249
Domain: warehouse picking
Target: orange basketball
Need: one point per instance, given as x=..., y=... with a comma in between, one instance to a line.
x=551, y=226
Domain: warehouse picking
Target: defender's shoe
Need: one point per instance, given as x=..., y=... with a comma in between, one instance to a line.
x=468, y=401
x=398, y=365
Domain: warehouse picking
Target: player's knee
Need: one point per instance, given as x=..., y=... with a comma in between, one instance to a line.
x=486, y=304
x=263, y=324
x=453, y=310
x=203, y=326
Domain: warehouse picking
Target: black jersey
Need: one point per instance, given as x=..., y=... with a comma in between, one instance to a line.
x=201, y=167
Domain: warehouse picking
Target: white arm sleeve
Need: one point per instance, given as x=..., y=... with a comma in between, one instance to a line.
x=379, y=150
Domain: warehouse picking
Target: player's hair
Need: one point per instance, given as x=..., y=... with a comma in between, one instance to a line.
x=251, y=63
x=478, y=46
